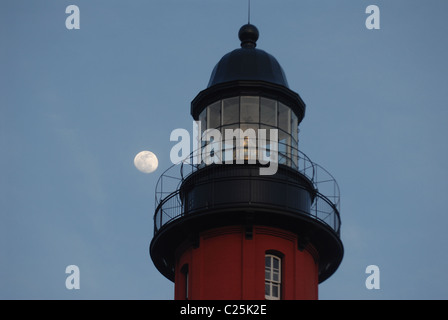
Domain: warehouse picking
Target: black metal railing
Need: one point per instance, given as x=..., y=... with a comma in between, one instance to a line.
x=324, y=208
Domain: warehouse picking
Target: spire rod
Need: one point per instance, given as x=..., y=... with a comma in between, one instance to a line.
x=248, y=13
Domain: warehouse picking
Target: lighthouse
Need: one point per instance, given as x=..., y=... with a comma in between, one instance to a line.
x=254, y=218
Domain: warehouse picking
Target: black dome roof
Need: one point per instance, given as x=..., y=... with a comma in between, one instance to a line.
x=248, y=63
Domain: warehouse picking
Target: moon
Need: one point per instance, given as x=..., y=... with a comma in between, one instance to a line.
x=146, y=161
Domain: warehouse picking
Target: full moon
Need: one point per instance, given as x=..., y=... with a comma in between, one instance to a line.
x=146, y=161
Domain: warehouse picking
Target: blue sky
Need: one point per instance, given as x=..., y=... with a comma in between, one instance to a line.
x=76, y=106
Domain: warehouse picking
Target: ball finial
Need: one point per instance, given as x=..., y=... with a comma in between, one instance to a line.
x=248, y=35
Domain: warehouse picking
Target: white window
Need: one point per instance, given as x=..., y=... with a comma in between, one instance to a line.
x=273, y=276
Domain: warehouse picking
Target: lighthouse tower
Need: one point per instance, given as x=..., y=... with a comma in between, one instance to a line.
x=248, y=220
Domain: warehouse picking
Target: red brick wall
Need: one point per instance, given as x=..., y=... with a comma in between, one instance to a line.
x=226, y=265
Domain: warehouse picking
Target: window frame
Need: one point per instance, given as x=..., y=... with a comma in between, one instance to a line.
x=271, y=283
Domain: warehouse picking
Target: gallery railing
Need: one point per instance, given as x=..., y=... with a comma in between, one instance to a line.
x=325, y=207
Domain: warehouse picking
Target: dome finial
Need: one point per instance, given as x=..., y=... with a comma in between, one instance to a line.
x=248, y=35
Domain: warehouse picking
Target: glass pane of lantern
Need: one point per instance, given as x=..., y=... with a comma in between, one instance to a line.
x=252, y=134
x=282, y=151
x=284, y=123
x=202, y=119
x=214, y=115
x=268, y=114
x=263, y=143
x=249, y=109
x=294, y=126
x=284, y=118
x=294, y=155
x=230, y=109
